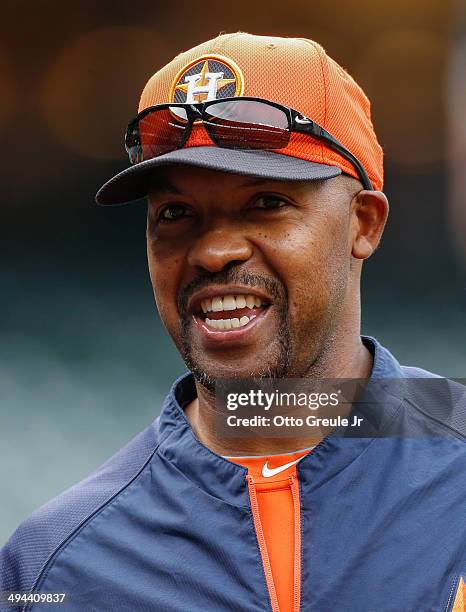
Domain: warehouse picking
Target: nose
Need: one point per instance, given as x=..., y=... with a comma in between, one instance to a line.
x=217, y=248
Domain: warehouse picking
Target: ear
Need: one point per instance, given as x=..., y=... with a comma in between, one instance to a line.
x=369, y=212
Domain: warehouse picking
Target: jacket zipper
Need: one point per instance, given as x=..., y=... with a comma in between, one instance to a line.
x=452, y=592
x=263, y=547
x=262, y=544
x=297, y=544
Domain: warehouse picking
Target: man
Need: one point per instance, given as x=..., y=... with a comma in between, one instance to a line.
x=263, y=175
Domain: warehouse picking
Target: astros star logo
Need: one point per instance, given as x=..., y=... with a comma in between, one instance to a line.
x=207, y=78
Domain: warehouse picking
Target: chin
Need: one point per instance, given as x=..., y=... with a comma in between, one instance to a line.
x=207, y=373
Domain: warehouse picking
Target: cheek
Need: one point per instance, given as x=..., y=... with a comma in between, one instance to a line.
x=313, y=262
x=164, y=278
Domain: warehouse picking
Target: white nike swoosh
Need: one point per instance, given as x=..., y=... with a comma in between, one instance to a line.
x=267, y=472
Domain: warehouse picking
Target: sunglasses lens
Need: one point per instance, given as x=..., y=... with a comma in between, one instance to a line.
x=233, y=124
x=247, y=124
x=158, y=132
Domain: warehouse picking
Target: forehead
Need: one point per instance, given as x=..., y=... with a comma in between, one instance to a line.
x=190, y=180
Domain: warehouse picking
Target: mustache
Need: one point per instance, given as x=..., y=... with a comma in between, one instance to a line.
x=273, y=287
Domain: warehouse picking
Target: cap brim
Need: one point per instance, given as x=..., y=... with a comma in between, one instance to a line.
x=134, y=182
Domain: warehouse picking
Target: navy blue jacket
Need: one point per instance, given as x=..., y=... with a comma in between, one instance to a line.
x=166, y=524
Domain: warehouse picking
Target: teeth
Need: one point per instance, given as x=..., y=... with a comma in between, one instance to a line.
x=230, y=302
x=240, y=301
x=217, y=304
x=228, y=323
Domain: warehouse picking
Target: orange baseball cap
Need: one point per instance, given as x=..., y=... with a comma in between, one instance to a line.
x=294, y=72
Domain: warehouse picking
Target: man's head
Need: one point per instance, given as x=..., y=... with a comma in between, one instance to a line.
x=286, y=255
x=263, y=174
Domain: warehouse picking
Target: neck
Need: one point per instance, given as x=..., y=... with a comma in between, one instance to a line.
x=342, y=358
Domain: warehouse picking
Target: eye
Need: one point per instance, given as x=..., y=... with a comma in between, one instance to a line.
x=270, y=202
x=172, y=212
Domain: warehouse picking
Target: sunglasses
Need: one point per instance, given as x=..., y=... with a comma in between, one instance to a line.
x=231, y=123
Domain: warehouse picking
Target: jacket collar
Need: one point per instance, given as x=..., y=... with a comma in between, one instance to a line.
x=224, y=479
x=178, y=444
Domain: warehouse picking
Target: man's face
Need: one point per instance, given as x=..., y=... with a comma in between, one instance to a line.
x=249, y=275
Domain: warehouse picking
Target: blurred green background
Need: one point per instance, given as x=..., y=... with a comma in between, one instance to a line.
x=84, y=359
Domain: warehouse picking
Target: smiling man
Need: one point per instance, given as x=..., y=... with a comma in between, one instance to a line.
x=263, y=176
x=259, y=277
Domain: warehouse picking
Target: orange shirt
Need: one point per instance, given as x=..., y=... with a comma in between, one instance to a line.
x=274, y=497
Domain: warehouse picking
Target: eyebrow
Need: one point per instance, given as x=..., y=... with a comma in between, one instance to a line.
x=164, y=186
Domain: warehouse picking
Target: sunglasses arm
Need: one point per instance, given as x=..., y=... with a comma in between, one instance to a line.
x=306, y=126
